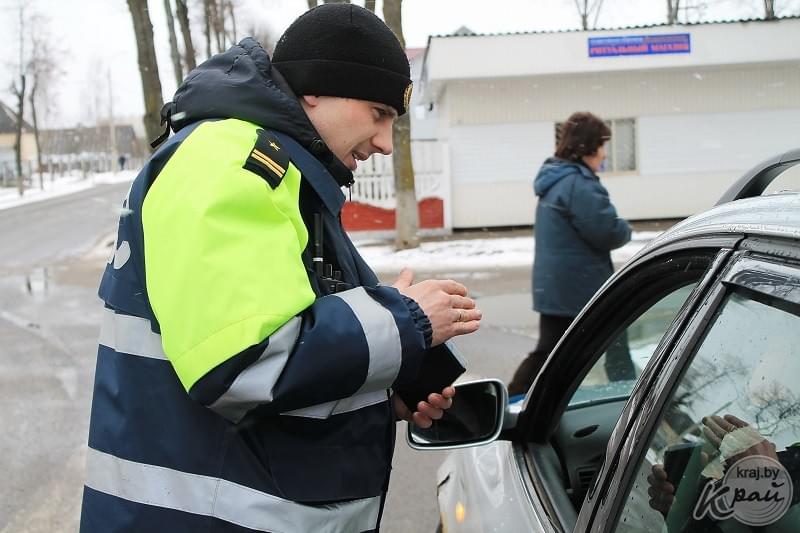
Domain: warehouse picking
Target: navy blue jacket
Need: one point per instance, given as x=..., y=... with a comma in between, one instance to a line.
x=576, y=227
x=293, y=434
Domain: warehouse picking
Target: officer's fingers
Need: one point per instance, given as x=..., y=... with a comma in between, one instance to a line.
x=404, y=279
x=465, y=328
x=449, y=392
x=451, y=287
x=430, y=411
x=401, y=410
x=439, y=401
x=461, y=302
x=421, y=420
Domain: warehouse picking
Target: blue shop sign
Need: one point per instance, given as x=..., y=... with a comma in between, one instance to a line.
x=635, y=45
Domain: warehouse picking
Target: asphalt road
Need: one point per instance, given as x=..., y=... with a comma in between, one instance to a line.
x=51, y=259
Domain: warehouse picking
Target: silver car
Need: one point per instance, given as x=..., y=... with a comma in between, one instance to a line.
x=710, y=314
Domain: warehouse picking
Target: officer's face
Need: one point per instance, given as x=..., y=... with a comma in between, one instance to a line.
x=352, y=129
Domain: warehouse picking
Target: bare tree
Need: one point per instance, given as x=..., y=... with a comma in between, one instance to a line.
x=769, y=9
x=207, y=25
x=263, y=34
x=42, y=70
x=673, y=6
x=218, y=24
x=173, y=43
x=148, y=67
x=407, y=219
x=370, y=4
x=586, y=9
x=19, y=92
x=189, y=56
x=312, y=4
x=232, y=35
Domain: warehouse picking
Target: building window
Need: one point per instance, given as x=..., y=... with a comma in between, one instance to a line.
x=621, y=149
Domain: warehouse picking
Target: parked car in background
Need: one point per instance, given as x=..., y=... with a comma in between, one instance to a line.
x=711, y=314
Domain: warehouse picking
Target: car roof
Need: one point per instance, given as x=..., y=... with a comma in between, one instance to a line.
x=775, y=215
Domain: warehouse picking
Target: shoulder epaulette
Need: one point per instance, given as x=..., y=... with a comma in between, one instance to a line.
x=268, y=159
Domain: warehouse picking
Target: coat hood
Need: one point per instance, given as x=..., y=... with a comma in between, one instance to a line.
x=554, y=170
x=242, y=83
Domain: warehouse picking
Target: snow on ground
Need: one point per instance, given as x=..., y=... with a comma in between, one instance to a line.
x=441, y=256
x=60, y=186
x=473, y=254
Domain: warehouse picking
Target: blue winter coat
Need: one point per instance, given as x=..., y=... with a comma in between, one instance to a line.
x=576, y=228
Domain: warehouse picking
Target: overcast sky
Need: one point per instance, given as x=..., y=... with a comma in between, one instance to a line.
x=97, y=42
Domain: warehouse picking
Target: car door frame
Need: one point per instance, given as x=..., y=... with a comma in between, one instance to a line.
x=546, y=400
x=634, y=430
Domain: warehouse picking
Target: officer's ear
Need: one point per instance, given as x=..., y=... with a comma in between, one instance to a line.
x=310, y=100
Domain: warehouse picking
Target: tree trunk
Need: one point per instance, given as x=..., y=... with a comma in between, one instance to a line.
x=182, y=12
x=32, y=101
x=312, y=4
x=18, y=140
x=148, y=67
x=672, y=11
x=769, y=9
x=407, y=214
x=218, y=23
x=173, y=43
x=233, y=35
x=207, y=25
x=370, y=4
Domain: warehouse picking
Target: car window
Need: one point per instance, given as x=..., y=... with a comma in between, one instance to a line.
x=614, y=375
x=730, y=431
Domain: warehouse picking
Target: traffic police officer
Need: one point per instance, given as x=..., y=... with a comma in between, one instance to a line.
x=239, y=385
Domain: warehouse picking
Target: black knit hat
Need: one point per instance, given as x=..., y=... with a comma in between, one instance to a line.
x=344, y=50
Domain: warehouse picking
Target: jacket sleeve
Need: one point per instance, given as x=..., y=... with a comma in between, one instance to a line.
x=239, y=321
x=595, y=218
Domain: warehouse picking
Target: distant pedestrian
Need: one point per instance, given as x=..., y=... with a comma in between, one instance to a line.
x=121, y=160
x=576, y=228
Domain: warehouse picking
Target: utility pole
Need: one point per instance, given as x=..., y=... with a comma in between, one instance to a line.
x=112, y=128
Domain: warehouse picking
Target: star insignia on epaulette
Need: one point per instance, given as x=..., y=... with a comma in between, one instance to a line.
x=267, y=159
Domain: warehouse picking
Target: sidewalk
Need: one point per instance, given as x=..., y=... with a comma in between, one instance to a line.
x=60, y=186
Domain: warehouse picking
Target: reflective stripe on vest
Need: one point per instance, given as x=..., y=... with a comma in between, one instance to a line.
x=222, y=499
x=383, y=339
x=130, y=334
x=253, y=386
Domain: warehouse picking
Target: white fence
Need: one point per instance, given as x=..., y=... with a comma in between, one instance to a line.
x=374, y=183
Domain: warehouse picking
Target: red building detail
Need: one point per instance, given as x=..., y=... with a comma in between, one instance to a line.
x=364, y=217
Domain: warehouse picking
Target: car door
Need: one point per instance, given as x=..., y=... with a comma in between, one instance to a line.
x=573, y=406
x=727, y=391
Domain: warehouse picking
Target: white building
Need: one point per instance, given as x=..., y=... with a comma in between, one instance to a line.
x=691, y=110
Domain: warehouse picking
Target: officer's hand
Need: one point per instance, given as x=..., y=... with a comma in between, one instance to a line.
x=446, y=304
x=428, y=411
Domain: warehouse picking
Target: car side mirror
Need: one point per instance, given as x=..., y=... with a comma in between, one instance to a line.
x=475, y=418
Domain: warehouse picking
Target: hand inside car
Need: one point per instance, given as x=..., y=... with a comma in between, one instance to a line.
x=661, y=491
x=735, y=439
x=428, y=411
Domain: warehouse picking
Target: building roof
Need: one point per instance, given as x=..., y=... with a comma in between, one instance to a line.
x=8, y=120
x=508, y=55
x=463, y=31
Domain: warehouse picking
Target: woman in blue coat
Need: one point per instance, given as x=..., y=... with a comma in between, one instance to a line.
x=576, y=229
